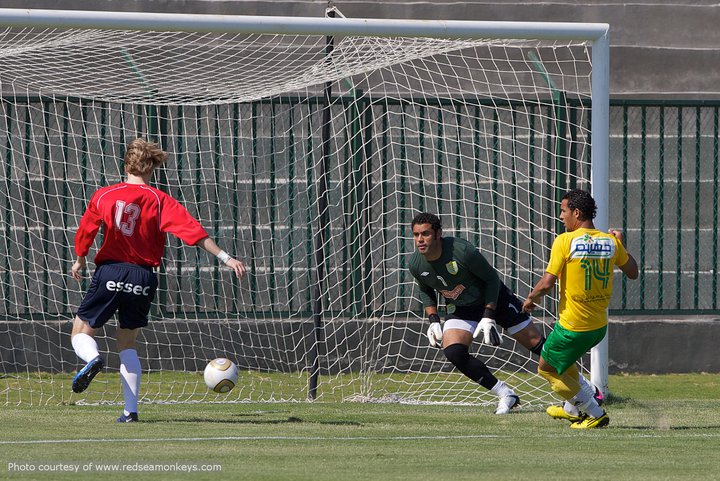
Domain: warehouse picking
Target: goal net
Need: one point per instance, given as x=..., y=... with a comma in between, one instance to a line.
x=305, y=147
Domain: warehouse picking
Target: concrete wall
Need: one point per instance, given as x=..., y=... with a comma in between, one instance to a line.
x=662, y=345
x=658, y=50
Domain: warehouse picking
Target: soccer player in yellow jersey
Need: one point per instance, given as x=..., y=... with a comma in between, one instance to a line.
x=583, y=259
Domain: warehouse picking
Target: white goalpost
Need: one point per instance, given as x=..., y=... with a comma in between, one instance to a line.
x=305, y=146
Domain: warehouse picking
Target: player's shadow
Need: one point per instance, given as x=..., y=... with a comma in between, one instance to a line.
x=660, y=421
x=288, y=420
x=665, y=428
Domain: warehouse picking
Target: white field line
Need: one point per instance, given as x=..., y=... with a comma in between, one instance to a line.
x=255, y=438
x=324, y=438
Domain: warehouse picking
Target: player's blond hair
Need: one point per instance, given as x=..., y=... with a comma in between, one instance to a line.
x=142, y=157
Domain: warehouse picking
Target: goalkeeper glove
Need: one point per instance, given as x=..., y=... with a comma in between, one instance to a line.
x=434, y=332
x=489, y=329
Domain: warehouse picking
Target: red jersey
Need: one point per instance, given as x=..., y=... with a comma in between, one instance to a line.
x=136, y=218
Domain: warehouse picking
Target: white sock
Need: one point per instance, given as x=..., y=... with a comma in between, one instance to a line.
x=502, y=389
x=571, y=409
x=587, y=403
x=130, y=372
x=85, y=346
x=586, y=386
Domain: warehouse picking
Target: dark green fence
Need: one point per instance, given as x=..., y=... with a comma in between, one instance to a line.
x=664, y=193
x=251, y=172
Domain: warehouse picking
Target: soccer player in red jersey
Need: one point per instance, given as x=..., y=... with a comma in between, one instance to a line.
x=135, y=218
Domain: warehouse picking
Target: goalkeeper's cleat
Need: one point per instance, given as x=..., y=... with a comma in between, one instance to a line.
x=86, y=374
x=128, y=418
x=591, y=423
x=599, y=398
x=507, y=404
x=557, y=412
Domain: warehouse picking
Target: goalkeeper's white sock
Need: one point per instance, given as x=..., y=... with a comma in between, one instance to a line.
x=502, y=389
x=130, y=372
x=85, y=346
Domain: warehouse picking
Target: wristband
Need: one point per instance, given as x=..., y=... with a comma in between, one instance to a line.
x=434, y=318
x=223, y=257
x=489, y=313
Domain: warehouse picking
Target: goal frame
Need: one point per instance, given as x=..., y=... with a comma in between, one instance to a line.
x=595, y=33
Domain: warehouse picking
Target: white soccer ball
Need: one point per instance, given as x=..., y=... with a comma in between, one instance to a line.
x=221, y=375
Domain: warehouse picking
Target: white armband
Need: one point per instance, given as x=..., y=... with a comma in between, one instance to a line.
x=223, y=257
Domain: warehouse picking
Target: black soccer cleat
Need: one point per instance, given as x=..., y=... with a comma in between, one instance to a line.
x=85, y=375
x=130, y=418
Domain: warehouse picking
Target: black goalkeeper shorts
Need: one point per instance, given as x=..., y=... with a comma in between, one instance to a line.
x=508, y=312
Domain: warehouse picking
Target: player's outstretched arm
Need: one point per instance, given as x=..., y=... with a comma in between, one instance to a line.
x=211, y=247
x=543, y=287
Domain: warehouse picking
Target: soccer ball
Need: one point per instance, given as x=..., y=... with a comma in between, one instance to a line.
x=221, y=375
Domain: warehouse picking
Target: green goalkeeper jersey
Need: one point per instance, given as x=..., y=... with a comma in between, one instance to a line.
x=461, y=274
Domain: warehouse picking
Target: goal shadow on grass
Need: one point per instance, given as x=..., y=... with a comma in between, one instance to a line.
x=661, y=427
x=234, y=420
x=656, y=417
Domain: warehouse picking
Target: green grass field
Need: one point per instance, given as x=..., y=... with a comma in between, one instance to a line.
x=662, y=428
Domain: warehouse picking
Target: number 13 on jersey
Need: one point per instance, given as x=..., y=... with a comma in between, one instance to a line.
x=126, y=216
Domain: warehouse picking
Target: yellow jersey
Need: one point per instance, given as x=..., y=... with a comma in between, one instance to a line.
x=583, y=260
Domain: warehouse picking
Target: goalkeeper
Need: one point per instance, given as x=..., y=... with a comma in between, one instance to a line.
x=136, y=218
x=476, y=301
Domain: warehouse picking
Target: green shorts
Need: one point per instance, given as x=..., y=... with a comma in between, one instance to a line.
x=564, y=347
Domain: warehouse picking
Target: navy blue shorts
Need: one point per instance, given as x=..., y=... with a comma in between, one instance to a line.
x=508, y=310
x=121, y=287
